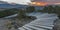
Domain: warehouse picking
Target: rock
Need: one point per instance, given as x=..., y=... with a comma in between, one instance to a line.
x=56, y=25
x=13, y=28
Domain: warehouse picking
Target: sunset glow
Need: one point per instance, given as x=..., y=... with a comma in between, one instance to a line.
x=57, y=3
x=39, y=3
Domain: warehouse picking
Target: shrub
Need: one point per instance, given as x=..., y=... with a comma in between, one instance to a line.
x=21, y=14
x=8, y=12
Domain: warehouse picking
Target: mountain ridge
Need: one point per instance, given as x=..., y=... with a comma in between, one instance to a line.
x=10, y=5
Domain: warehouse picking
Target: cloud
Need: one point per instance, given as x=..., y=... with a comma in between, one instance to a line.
x=48, y=0
x=17, y=1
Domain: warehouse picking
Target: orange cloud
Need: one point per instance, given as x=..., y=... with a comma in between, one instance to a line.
x=57, y=3
x=39, y=3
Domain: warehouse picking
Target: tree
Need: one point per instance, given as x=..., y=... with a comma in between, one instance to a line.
x=57, y=9
x=45, y=9
x=30, y=9
x=50, y=9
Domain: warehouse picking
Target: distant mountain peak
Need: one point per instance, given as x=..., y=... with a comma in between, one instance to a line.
x=2, y=2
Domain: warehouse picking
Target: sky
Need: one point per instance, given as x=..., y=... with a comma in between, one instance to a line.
x=27, y=1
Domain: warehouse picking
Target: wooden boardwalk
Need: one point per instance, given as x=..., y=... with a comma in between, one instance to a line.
x=43, y=22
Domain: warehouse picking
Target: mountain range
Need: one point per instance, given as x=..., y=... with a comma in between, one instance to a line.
x=10, y=5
